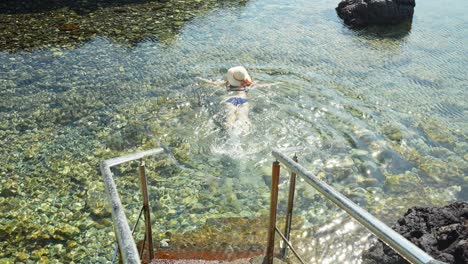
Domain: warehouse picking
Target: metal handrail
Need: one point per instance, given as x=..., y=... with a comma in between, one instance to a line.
x=116, y=249
x=401, y=245
x=124, y=235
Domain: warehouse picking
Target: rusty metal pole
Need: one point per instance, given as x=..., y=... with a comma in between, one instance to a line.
x=287, y=226
x=273, y=206
x=144, y=191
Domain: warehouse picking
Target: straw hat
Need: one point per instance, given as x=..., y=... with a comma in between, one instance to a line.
x=238, y=76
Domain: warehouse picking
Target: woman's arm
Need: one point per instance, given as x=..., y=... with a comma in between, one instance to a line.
x=264, y=85
x=219, y=83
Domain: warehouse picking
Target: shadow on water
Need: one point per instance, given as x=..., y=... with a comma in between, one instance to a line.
x=80, y=6
x=30, y=25
x=395, y=32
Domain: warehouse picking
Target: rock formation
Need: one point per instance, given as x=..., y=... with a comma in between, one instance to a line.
x=375, y=12
x=441, y=232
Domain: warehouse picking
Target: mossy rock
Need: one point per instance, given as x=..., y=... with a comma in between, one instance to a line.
x=392, y=132
x=438, y=133
x=366, y=181
x=402, y=183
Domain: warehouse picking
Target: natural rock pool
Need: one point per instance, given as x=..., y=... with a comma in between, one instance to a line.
x=380, y=114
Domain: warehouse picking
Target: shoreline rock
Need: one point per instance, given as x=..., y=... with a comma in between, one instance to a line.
x=362, y=13
x=442, y=232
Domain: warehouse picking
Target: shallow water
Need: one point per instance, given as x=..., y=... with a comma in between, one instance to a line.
x=380, y=114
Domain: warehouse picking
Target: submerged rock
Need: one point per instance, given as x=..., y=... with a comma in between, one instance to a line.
x=375, y=12
x=441, y=232
x=32, y=25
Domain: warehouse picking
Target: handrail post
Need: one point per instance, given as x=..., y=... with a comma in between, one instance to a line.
x=144, y=191
x=287, y=226
x=273, y=206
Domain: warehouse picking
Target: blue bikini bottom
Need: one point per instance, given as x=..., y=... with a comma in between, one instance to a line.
x=237, y=100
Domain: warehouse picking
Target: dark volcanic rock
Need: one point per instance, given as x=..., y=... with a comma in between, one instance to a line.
x=441, y=232
x=375, y=12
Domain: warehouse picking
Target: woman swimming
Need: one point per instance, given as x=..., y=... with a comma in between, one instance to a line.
x=237, y=105
x=237, y=82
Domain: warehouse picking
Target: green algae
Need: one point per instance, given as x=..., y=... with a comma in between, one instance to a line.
x=393, y=133
x=437, y=133
x=403, y=183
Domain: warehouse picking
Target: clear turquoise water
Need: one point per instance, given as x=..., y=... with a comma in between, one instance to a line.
x=380, y=114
